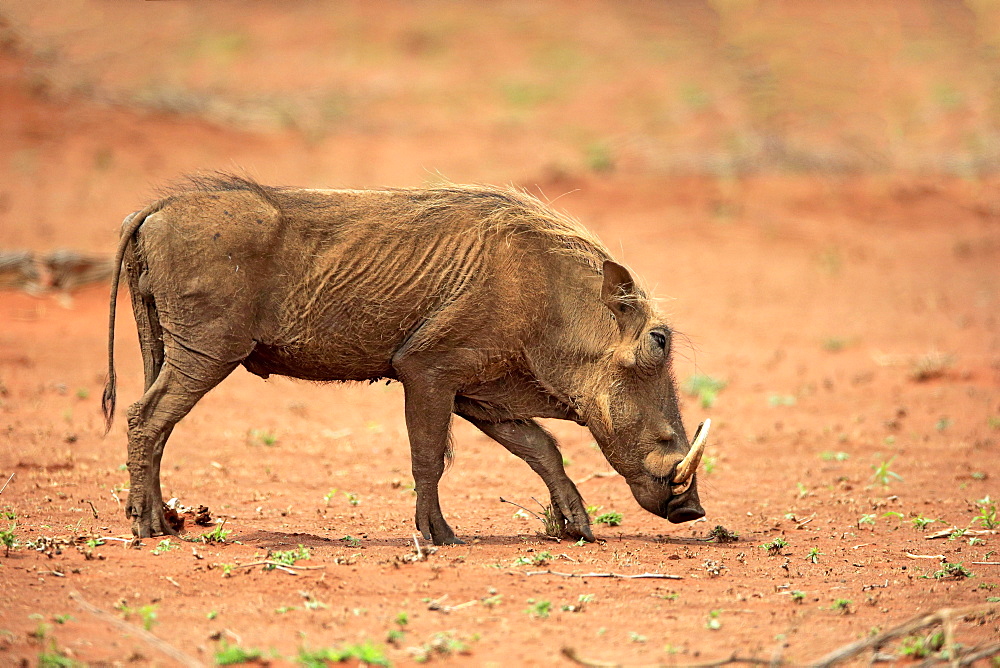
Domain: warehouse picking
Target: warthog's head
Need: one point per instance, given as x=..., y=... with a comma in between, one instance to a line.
x=632, y=409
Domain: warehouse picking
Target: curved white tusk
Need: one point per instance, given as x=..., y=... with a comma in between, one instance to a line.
x=687, y=466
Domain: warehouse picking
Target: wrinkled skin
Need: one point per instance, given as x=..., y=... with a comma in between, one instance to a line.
x=482, y=302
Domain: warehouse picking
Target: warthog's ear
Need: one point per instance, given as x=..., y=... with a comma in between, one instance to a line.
x=618, y=294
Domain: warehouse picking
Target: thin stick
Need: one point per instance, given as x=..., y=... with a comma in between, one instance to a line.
x=416, y=542
x=280, y=566
x=8, y=482
x=138, y=632
x=939, y=557
x=662, y=576
x=906, y=628
x=944, y=533
x=533, y=513
x=599, y=474
x=571, y=654
x=986, y=563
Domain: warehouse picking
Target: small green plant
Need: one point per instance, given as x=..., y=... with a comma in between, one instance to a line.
x=328, y=497
x=366, y=653
x=775, y=546
x=636, y=637
x=842, y=605
x=920, y=522
x=537, y=559
x=53, y=657
x=987, y=516
x=814, y=555
x=444, y=643
x=611, y=519
x=713, y=622
x=798, y=596
x=919, y=647
x=82, y=393
x=146, y=613
x=261, y=437
x=705, y=388
x=492, y=601
x=552, y=522
x=538, y=609
x=164, y=545
x=599, y=157
x=949, y=571
x=211, y=614
x=709, y=463
x=831, y=456
x=580, y=604
x=352, y=498
x=228, y=655
x=776, y=400
x=721, y=534
x=834, y=344
x=286, y=557
x=350, y=541
x=867, y=519
x=8, y=539
x=882, y=473
x=216, y=535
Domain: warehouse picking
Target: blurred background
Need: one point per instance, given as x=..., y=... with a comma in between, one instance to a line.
x=102, y=101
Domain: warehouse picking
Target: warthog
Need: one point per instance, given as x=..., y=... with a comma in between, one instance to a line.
x=482, y=302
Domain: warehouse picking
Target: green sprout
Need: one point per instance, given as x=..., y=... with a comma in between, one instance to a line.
x=775, y=546
x=611, y=519
x=705, y=388
x=882, y=473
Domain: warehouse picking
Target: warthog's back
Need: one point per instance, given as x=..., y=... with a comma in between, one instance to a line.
x=329, y=284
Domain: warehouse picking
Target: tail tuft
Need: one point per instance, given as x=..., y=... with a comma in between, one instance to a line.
x=108, y=401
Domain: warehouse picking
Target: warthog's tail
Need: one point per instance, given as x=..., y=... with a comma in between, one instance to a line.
x=129, y=227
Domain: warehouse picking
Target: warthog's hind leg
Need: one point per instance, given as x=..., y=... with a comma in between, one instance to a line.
x=529, y=441
x=150, y=421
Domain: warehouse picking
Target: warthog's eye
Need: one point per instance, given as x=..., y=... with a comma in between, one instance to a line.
x=659, y=339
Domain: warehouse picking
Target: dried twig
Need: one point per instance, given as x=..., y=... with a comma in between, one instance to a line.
x=138, y=632
x=531, y=512
x=280, y=566
x=599, y=474
x=943, y=616
x=571, y=654
x=945, y=533
x=986, y=563
x=8, y=482
x=662, y=576
x=939, y=557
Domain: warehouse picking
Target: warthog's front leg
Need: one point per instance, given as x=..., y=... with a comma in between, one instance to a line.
x=429, y=401
x=529, y=441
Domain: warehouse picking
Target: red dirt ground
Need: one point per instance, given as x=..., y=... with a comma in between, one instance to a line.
x=816, y=298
